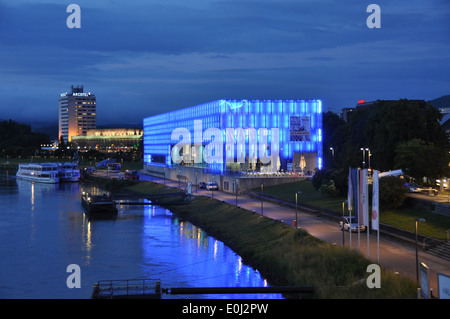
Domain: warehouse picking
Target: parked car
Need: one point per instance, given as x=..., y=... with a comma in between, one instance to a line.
x=413, y=188
x=211, y=186
x=202, y=185
x=132, y=175
x=351, y=224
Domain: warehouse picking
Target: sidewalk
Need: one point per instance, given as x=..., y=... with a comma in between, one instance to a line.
x=392, y=255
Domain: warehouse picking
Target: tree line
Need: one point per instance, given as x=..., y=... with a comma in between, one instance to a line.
x=17, y=139
x=402, y=134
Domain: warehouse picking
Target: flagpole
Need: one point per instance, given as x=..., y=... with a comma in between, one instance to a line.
x=350, y=227
x=368, y=246
x=378, y=245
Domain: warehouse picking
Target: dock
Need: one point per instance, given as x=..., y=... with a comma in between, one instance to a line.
x=107, y=204
x=98, y=205
x=173, y=198
x=151, y=289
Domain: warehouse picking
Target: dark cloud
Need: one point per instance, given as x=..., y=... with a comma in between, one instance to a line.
x=145, y=57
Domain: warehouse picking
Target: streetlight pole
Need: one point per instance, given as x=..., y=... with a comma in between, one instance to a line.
x=332, y=155
x=296, y=208
x=417, y=253
x=262, y=196
x=343, y=215
x=364, y=156
x=236, y=189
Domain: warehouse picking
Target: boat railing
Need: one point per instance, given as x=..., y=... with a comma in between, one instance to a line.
x=127, y=287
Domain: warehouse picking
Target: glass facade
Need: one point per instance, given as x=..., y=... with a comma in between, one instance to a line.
x=238, y=135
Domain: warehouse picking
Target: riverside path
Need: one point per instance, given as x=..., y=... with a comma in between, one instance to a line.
x=393, y=255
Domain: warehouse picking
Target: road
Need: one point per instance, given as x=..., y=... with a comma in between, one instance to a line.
x=392, y=255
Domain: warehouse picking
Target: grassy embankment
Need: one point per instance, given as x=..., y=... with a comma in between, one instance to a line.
x=404, y=218
x=283, y=255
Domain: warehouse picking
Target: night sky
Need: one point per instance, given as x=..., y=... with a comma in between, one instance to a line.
x=144, y=57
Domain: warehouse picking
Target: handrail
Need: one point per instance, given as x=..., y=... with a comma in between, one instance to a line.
x=131, y=286
x=432, y=236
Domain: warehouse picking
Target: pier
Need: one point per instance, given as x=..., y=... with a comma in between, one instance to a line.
x=151, y=289
x=107, y=204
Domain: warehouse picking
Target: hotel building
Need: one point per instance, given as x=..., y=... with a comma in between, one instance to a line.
x=109, y=140
x=76, y=113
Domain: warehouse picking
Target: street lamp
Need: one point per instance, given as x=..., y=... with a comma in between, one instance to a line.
x=235, y=189
x=364, y=156
x=332, y=155
x=417, y=253
x=296, y=218
x=262, y=196
x=343, y=215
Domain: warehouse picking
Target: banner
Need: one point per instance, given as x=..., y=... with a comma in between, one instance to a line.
x=354, y=187
x=375, y=202
x=363, y=198
x=300, y=128
x=350, y=190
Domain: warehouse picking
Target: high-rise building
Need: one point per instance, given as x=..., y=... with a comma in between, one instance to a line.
x=76, y=113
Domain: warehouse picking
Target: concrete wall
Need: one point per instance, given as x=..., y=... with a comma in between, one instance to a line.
x=226, y=183
x=432, y=206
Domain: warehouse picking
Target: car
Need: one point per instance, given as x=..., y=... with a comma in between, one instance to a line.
x=202, y=185
x=351, y=224
x=413, y=188
x=211, y=186
x=131, y=175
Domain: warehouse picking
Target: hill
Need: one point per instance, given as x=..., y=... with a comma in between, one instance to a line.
x=441, y=102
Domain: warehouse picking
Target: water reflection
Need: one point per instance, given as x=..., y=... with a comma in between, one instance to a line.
x=44, y=229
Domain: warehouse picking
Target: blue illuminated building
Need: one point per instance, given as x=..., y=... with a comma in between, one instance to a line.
x=292, y=139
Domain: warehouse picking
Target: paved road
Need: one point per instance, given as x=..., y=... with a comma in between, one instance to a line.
x=392, y=255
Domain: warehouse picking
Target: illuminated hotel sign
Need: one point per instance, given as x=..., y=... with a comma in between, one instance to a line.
x=75, y=94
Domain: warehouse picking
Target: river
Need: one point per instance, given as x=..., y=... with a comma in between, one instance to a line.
x=43, y=230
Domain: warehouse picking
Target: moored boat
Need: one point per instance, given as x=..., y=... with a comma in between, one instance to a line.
x=69, y=172
x=102, y=205
x=39, y=172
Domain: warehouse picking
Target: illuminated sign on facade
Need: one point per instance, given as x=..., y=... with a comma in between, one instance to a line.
x=300, y=128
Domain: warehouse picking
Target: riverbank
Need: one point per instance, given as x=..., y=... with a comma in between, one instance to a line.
x=283, y=255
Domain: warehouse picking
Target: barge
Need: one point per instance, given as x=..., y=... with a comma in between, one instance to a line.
x=99, y=205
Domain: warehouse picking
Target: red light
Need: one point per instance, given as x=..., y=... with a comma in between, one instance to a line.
x=361, y=101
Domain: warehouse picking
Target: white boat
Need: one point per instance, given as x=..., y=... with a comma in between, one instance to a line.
x=69, y=172
x=39, y=172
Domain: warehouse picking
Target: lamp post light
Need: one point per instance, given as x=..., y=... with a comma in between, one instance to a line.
x=332, y=155
x=364, y=156
x=296, y=208
x=417, y=253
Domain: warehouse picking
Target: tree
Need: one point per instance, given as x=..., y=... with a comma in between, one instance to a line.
x=18, y=139
x=419, y=159
x=395, y=122
x=392, y=192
